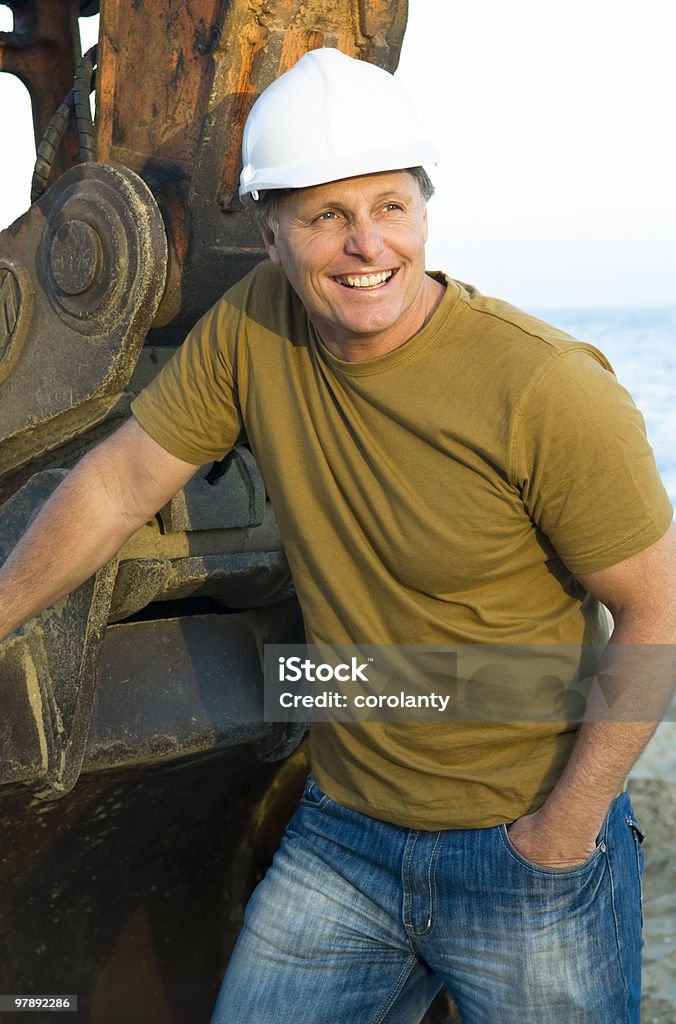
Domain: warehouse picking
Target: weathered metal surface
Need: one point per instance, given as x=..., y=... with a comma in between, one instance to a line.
x=24, y=753
x=130, y=890
x=195, y=682
x=235, y=497
x=82, y=275
x=238, y=580
x=200, y=689
x=216, y=538
x=150, y=361
x=166, y=688
x=42, y=51
x=59, y=655
x=205, y=65
x=75, y=257
x=16, y=313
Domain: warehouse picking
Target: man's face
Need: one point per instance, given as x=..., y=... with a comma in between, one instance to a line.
x=354, y=252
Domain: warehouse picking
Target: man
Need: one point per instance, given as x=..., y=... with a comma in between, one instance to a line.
x=444, y=469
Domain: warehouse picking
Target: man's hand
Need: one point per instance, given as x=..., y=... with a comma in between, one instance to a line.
x=539, y=840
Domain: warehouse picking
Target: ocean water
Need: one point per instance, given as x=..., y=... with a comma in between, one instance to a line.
x=641, y=345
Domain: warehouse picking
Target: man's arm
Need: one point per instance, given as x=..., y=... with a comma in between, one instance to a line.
x=641, y=595
x=113, y=490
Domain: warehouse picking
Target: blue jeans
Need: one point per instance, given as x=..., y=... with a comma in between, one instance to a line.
x=361, y=922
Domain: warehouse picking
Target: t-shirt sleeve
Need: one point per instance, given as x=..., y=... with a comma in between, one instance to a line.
x=581, y=458
x=191, y=408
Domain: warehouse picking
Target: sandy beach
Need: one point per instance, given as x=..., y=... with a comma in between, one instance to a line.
x=653, y=793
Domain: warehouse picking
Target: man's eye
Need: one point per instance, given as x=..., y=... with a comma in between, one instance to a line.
x=327, y=215
x=393, y=206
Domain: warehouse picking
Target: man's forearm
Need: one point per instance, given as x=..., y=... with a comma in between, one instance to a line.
x=563, y=831
x=112, y=492
x=631, y=693
x=75, y=533
x=603, y=756
x=635, y=680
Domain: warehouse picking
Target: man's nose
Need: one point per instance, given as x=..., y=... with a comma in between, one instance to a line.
x=364, y=240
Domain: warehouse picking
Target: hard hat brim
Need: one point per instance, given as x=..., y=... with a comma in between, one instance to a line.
x=288, y=176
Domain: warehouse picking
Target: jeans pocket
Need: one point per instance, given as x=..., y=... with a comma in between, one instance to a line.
x=544, y=869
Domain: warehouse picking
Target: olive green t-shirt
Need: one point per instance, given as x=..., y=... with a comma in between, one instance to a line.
x=443, y=493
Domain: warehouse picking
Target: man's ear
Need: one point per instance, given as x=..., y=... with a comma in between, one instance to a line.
x=270, y=243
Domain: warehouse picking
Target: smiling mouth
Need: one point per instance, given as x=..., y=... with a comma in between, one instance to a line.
x=365, y=281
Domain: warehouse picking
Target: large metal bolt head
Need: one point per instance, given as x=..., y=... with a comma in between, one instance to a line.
x=75, y=257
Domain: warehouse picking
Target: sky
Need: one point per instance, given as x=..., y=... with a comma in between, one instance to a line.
x=555, y=124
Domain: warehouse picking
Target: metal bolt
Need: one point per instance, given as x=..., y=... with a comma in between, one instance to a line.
x=75, y=257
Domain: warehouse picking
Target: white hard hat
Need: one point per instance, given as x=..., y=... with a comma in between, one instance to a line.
x=329, y=117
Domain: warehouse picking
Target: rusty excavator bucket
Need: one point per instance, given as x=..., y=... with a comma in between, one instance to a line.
x=141, y=791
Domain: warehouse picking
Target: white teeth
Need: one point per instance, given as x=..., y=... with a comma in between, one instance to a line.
x=367, y=280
